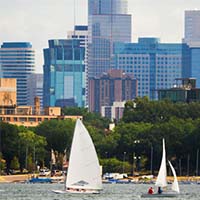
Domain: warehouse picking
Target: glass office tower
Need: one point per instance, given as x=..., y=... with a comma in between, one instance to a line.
x=192, y=38
x=192, y=26
x=64, y=74
x=17, y=60
x=155, y=65
x=108, y=22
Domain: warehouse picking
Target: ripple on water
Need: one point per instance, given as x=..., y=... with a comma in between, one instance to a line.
x=19, y=191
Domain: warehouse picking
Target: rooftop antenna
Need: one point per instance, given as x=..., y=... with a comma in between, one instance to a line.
x=74, y=16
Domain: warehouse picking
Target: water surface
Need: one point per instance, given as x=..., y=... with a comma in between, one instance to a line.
x=17, y=191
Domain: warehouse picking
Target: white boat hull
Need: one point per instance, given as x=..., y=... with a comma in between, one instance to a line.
x=164, y=195
x=76, y=191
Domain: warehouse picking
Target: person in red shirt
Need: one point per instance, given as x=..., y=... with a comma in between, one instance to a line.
x=150, y=190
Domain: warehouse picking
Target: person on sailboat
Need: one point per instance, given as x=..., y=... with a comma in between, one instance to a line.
x=159, y=190
x=150, y=191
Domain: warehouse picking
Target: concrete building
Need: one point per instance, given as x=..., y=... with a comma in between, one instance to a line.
x=27, y=116
x=108, y=22
x=8, y=92
x=114, y=112
x=110, y=87
x=155, y=65
x=64, y=73
x=17, y=60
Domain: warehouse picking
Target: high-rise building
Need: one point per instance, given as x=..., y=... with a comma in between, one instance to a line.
x=155, y=65
x=17, y=61
x=108, y=22
x=109, y=88
x=192, y=38
x=80, y=32
x=35, y=89
x=192, y=27
x=64, y=73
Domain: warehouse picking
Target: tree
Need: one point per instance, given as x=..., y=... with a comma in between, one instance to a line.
x=58, y=135
x=9, y=142
x=31, y=146
x=14, y=163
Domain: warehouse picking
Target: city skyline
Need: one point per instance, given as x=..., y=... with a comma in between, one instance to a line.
x=39, y=21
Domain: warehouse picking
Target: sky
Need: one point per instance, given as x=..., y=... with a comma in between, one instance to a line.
x=38, y=21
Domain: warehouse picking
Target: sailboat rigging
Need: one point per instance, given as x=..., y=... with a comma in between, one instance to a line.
x=83, y=174
x=161, y=181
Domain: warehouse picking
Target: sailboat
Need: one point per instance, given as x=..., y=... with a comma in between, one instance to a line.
x=84, y=174
x=161, y=180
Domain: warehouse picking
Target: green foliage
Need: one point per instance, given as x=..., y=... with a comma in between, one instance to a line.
x=58, y=135
x=113, y=165
x=9, y=141
x=32, y=145
x=14, y=163
x=30, y=163
x=93, y=119
x=144, y=110
x=140, y=131
x=2, y=163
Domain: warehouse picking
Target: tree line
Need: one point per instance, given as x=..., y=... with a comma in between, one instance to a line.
x=134, y=146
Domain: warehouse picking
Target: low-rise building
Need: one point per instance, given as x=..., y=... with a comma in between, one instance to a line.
x=25, y=115
x=183, y=91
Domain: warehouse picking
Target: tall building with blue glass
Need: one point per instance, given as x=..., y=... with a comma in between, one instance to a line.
x=192, y=38
x=17, y=60
x=155, y=65
x=108, y=22
x=64, y=73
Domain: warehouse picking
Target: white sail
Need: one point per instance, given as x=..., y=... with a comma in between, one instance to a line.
x=161, y=180
x=175, y=186
x=84, y=169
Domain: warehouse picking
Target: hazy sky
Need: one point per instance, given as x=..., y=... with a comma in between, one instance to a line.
x=37, y=21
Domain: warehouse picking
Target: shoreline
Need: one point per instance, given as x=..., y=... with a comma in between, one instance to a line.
x=25, y=177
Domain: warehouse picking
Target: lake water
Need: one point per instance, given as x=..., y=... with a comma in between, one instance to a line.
x=17, y=191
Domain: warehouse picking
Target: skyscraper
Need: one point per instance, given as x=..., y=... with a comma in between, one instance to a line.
x=80, y=32
x=192, y=27
x=108, y=22
x=64, y=73
x=17, y=61
x=192, y=38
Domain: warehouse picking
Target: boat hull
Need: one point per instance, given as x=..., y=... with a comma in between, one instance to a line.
x=164, y=195
x=76, y=191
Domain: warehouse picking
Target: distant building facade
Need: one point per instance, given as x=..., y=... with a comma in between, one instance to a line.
x=110, y=87
x=155, y=65
x=35, y=89
x=192, y=38
x=80, y=32
x=8, y=92
x=108, y=22
x=192, y=26
x=184, y=91
x=17, y=60
x=64, y=73
x=27, y=116
x=114, y=112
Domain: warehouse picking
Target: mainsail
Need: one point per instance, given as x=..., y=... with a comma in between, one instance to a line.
x=162, y=175
x=84, y=169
